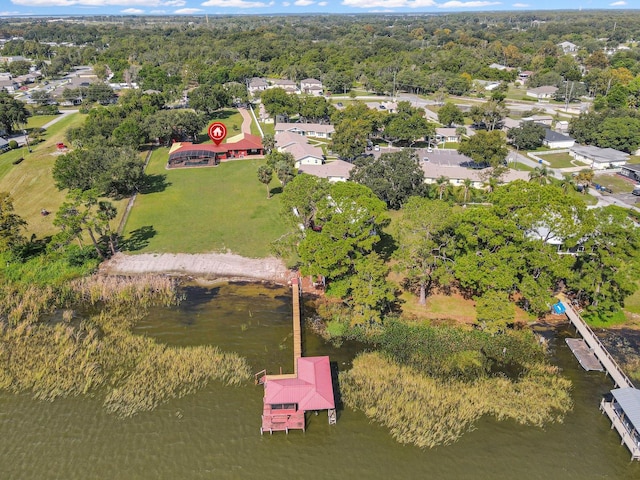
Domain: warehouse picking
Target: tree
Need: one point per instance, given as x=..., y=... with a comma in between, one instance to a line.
x=348, y=220
x=265, y=174
x=393, y=177
x=100, y=93
x=11, y=225
x=277, y=101
x=485, y=147
x=209, y=98
x=607, y=275
x=408, y=125
x=426, y=245
x=370, y=292
x=13, y=113
x=284, y=172
x=528, y=136
x=41, y=97
x=495, y=311
x=541, y=175
x=301, y=199
x=268, y=142
x=450, y=114
x=350, y=138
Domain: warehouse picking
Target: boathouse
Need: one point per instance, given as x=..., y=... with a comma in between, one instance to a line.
x=623, y=409
x=187, y=154
x=288, y=398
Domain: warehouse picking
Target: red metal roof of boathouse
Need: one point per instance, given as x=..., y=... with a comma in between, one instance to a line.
x=311, y=390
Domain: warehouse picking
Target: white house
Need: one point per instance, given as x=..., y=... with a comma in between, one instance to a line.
x=311, y=86
x=335, y=171
x=306, y=129
x=568, y=47
x=541, y=119
x=457, y=175
x=257, y=85
x=599, y=158
x=557, y=140
x=302, y=151
x=547, y=91
x=288, y=86
x=446, y=134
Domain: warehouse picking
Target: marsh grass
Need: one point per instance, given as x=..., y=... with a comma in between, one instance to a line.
x=428, y=412
x=100, y=355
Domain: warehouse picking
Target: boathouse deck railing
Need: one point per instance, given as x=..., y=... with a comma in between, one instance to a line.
x=600, y=351
x=630, y=439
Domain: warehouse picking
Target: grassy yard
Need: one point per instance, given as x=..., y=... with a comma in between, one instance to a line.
x=561, y=160
x=520, y=167
x=634, y=159
x=210, y=209
x=38, y=121
x=30, y=182
x=615, y=183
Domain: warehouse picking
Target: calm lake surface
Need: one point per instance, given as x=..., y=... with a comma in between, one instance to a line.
x=214, y=434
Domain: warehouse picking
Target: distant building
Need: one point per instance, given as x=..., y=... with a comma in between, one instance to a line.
x=288, y=86
x=599, y=158
x=557, y=140
x=335, y=171
x=631, y=171
x=257, y=85
x=545, y=120
x=298, y=146
x=447, y=135
x=458, y=174
x=547, y=91
x=311, y=86
x=568, y=47
x=318, y=130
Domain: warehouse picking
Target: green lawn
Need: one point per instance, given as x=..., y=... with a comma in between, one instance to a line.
x=634, y=159
x=209, y=209
x=615, y=183
x=30, y=182
x=561, y=160
x=520, y=166
x=37, y=121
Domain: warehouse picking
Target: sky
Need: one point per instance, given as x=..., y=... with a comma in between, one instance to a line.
x=232, y=7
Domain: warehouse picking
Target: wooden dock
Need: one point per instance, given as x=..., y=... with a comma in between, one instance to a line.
x=297, y=326
x=595, y=345
x=584, y=354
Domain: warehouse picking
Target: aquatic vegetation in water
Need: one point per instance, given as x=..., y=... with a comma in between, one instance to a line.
x=100, y=354
x=427, y=411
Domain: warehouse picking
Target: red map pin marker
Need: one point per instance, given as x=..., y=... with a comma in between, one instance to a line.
x=217, y=131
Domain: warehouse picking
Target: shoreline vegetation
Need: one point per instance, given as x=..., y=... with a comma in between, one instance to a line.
x=95, y=352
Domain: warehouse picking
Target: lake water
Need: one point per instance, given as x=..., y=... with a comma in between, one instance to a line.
x=214, y=434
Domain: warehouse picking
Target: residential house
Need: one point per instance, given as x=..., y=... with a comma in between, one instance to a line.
x=335, y=171
x=508, y=123
x=447, y=135
x=302, y=151
x=306, y=129
x=631, y=171
x=10, y=59
x=458, y=174
x=599, y=158
x=524, y=75
x=545, y=120
x=568, y=47
x=545, y=92
x=500, y=67
x=257, y=85
x=557, y=140
x=4, y=145
x=311, y=86
x=9, y=85
x=287, y=85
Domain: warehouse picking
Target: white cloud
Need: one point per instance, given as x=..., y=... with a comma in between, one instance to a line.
x=10, y=14
x=618, y=4
x=158, y=12
x=132, y=11
x=99, y=3
x=323, y=4
x=285, y=4
x=520, y=5
x=233, y=4
x=303, y=3
x=188, y=11
x=386, y=4
x=472, y=4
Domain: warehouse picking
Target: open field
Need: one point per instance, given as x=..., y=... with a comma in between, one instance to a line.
x=615, y=182
x=210, y=209
x=30, y=182
x=38, y=121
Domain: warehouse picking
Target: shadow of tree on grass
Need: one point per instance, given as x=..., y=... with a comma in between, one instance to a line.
x=138, y=239
x=154, y=183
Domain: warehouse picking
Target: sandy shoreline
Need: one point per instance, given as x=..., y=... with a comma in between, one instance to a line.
x=205, y=265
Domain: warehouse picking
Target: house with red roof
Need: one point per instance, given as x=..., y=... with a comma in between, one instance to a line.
x=187, y=154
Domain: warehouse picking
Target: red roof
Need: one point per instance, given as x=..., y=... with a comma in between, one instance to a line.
x=248, y=142
x=312, y=390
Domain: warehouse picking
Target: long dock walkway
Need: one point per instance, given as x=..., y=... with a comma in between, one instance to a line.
x=297, y=334
x=593, y=342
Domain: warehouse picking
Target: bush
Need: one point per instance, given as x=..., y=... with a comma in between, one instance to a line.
x=13, y=144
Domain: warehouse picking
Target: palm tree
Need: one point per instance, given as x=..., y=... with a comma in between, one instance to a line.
x=444, y=187
x=265, y=174
x=540, y=175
